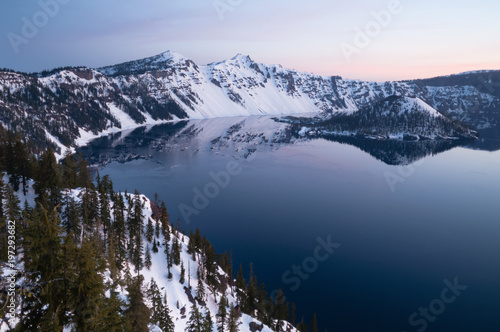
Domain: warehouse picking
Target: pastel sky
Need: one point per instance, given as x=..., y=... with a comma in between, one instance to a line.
x=420, y=39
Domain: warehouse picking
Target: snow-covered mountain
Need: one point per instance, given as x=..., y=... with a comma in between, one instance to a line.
x=68, y=106
x=395, y=117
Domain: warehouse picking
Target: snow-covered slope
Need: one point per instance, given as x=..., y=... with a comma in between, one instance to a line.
x=395, y=117
x=180, y=296
x=75, y=104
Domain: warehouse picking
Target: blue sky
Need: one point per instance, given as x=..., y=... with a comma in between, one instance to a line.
x=420, y=39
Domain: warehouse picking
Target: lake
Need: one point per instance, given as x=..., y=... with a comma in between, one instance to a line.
x=372, y=236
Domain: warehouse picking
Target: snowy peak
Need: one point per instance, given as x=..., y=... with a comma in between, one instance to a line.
x=402, y=104
x=162, y=61
x=242, y=59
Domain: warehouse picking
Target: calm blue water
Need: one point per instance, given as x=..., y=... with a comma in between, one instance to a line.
x=399, y=241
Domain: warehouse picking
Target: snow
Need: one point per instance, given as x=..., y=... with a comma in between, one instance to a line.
x=176, y=295
x=241, y=87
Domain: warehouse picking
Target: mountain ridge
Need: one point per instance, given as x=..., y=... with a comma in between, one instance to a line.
x=68, y=106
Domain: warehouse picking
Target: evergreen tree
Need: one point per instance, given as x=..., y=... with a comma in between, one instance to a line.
x=160, y=314
x=112, y=319
x=150, y=230
x=70, y=178
x=233, y=323
x=182, y=278
x=165, y=223
x=251, y=303
x=207, y=323
x=137, y=312
x=119, y=231
x=176, y=251
x=111, y=259
x=71, y=217
x=48, y=180
x=12, y=206
x=241, y=286
x=222, y=314
x=147, y=257
x=262, y=305
x=83, y=177
x=135, y=232
x=195, y=322
x=104, y=206
x=314, y=325
x=89, y=289
x=22, y=165
x=200, y=288
x=154, y=249
x=44, y=255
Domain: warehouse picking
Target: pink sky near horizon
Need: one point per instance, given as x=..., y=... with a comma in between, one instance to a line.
x=425, y=39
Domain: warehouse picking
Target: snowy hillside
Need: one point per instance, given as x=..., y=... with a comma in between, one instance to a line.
x=180, y=286
x=66, y=107
x=395, y=117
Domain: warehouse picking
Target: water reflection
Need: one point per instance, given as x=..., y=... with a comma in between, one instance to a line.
x=241, y=137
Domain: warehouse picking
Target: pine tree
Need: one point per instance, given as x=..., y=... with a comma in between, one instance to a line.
x=149, y=230
x=164, y=220
x=111, y=259
x=104, y=206
x=44, y=255
x=83, y=177
x=262, y=305
x=233, y=323
x=135, y=232
x=119, y=231
x=251, y=303
x=240, y=286
x=207, y=323
x=147, y=257
x=71, y=217
x=280, y=312
x=48, y=180
x=200, y=288
x=314, y=325
x=154, y=249
x=195, y=322
x=182, y=278
x=89, y=289
x=137, y=312
x=23, y=164
x=112, y=319
x=222, y=314
x=69, y=171
x=176, y=251
x=156, y=301
x=160, y=313
x=12, y=206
